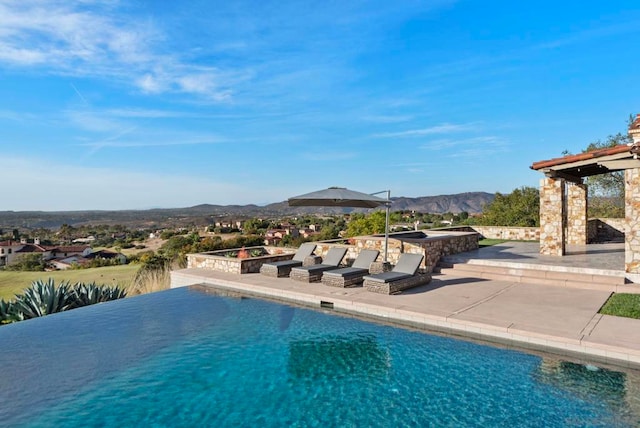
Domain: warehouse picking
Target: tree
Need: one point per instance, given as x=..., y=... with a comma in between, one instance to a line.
x=366, y=225
x=27, y=262
x=519, y=208
x=610, y=184
x=606, y=191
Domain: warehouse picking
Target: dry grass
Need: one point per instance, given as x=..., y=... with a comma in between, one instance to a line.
x=149, y=281
x=12, y=283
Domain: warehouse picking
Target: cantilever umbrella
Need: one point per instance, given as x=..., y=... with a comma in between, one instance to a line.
x=342, y=197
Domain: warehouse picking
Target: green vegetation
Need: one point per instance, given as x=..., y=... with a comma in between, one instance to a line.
x=622, y=305
x=177, y=247
x=45, y=297
x=154, y=275
x=606, y=191
x=361, y=224
x=519, y=208
x=27, y=262
x=12, y=283
x=490, y=242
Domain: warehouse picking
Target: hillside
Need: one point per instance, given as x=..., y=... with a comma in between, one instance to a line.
x=202, y=215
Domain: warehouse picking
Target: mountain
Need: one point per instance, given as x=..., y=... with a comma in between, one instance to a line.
x=471, y=202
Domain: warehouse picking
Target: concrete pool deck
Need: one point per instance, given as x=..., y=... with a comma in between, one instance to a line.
x=556, y=319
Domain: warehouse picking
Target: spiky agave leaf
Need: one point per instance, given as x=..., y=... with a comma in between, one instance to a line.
x=9, y=312
x=90, y=293
x=43, y=298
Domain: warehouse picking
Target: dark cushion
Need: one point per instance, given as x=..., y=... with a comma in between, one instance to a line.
x=387, y=277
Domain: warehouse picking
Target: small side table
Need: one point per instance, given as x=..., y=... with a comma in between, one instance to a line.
x=379, y=267
x=312, y=260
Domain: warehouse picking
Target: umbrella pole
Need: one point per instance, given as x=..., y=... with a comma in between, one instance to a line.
x=386, y=232
x=386, y=221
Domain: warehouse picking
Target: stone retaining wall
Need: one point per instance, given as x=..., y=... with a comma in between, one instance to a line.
x=434, y=246
x=606, y=229
x=214, y=260
x=508, y=233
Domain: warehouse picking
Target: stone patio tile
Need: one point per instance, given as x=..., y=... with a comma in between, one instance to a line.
x=616, y=331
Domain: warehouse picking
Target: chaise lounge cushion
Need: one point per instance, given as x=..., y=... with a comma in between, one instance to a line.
x=314, y=273
x=403, y=276
x=386, y=277
x=283, y=267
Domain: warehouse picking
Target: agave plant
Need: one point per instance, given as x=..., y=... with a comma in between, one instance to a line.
x=8, y=313
x=43, y=298
x=84, y=294
x=256, y=252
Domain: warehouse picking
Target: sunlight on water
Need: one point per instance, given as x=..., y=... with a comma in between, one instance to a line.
x=188, y=358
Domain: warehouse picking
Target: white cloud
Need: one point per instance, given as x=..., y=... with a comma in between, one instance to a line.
x=69, y=39
x=331, y=156
x=179, y=141
x=475, y=147
x=387, y=118
x=16, y=116
x=590, y=34
x=447, y=143
x=445, y=128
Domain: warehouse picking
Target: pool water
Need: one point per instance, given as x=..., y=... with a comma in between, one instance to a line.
x=186, y=357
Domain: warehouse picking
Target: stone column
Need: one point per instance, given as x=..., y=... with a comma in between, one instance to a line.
x=632, y=214
x=551, y=216
x=576, y=214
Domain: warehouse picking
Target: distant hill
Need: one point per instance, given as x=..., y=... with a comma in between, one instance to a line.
x=471, y=202
x=201, y=215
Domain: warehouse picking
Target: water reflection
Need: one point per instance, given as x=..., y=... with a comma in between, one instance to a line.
x=617, y=390
x=59, y=354
x=338, y=357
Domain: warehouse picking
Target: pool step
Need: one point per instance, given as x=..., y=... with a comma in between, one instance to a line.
x=539, y=275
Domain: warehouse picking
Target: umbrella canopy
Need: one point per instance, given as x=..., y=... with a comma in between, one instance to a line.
x=342, y=197
x=337, y=197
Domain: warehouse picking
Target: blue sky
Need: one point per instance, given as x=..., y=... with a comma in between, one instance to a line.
x=141, y=104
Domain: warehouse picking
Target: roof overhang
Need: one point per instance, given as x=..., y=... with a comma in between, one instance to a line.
x=575, y=167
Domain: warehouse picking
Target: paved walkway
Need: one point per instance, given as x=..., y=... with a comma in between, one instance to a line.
x=561, y=320
x=603, y=259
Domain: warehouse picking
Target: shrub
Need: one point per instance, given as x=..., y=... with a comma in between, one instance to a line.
x=88, y=294
x=44, y=298
x=154, y=275
x=27, y=262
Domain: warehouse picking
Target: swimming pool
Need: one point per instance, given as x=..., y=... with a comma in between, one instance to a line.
x=186, y=357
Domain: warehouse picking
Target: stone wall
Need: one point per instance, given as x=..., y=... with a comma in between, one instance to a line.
x=433, y=246
x=576, y=214
x=508, y=233
x=552, y=241
x=434, y=249
x=632, y=214
x=216, y=261
x=352, y=251
x=606, y=229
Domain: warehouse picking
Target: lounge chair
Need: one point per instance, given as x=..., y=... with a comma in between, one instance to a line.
x=282, y=268
x=345, y=277
x=314, y=273
x=403, y=276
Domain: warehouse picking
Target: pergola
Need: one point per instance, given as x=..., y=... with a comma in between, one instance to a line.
x=563, y=196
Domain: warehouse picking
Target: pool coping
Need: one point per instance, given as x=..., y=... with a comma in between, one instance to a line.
x=580, y=348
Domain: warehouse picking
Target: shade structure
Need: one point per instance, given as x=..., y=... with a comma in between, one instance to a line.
x=343, y=197
x=337, y=197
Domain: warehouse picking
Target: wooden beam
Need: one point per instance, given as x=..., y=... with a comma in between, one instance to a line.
x=557, y=174
x=621, y=164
